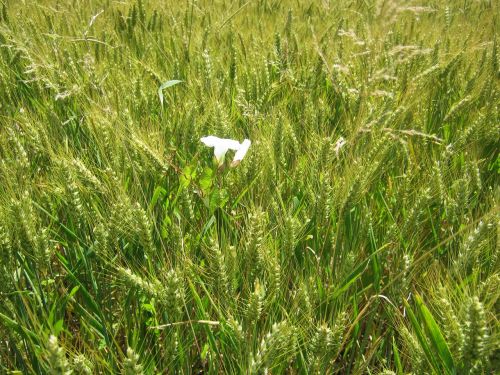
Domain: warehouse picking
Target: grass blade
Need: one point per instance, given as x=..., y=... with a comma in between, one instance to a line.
x=436, y=337
x=421, y=338
x=165, y=85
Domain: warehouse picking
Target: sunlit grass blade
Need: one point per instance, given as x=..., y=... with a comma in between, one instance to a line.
x=436, y=337
x=165, y=85
x=422, y=339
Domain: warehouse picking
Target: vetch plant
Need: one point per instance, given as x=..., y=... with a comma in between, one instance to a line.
x=215, y=195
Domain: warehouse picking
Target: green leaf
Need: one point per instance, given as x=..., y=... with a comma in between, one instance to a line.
x=204, y=351
x=375, y=263
x=218, y=199
x=87, y=298
x=165, y=225
x=73, y=291
x=206, y=180
x=187, y=175
x=437, y=339
x=12, y=324
x=349, y=280
x=207, y=226
x=58, y=327
x=421, y=338
x=165, y=85
x=159, y=193
x=397, y=359
x=47, y=282
x=148, y=307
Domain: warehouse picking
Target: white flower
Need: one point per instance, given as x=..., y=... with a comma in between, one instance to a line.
x=242, y=151
x=221, y=146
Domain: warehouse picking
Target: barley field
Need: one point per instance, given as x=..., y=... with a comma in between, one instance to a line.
x=358, y=235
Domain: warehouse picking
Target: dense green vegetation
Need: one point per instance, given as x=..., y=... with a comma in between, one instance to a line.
x=125, y=249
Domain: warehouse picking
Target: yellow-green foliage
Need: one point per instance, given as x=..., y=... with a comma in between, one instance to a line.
x=372, y=178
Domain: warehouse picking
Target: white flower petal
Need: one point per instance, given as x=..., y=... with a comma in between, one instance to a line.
x=232, y=144
x=220, y=153
x=242, y=151
x=210, y=141
x=222, y=145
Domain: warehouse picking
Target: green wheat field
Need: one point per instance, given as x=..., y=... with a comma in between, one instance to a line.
x=358, y=235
